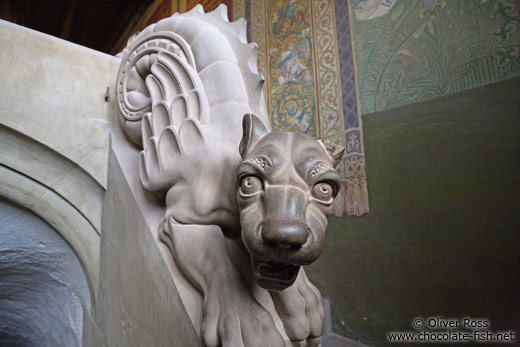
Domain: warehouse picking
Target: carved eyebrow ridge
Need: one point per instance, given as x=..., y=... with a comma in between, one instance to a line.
x=263, y=161
x=251, y=168
x=317, y=169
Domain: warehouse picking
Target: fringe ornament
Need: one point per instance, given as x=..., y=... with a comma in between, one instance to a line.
x=352, y=198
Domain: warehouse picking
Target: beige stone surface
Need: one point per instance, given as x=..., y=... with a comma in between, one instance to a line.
x=54, y=131
x=53, y=91
x=29, y=157
x=138, y=303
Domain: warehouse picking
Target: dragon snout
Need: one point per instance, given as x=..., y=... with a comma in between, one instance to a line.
x=286, y=234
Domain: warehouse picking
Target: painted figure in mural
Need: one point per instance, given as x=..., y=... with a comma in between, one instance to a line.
x=289, y=16
x=245, y=208
x=289, y=66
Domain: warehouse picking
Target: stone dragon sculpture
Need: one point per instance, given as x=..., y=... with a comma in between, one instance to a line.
x=244, y=207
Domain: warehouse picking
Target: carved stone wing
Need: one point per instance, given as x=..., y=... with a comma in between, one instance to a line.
x=182, y=85
x=162, y=103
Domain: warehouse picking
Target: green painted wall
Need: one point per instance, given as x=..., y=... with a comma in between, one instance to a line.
x=443, y=233
x=415, y=50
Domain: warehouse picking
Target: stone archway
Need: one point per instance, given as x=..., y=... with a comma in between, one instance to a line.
x=44, y=293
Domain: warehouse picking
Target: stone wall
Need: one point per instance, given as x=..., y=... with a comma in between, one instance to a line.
x=138, y=302
x=54, y=125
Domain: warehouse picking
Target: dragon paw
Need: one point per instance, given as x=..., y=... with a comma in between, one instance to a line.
x=301, y=311
x=232, y=317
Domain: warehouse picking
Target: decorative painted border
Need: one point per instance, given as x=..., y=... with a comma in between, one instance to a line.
x=239, y=9
x=258, y=35
x=328, y=83
x=354, y=189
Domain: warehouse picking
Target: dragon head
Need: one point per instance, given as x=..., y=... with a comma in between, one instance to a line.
x=287, y=184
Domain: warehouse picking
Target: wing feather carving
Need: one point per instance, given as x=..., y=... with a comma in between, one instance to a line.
x=183, y=85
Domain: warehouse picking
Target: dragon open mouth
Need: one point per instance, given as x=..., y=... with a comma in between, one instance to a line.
x=273, y=275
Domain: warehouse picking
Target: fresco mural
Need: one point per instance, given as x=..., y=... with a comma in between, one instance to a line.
x=409, y=51
x=291, y=87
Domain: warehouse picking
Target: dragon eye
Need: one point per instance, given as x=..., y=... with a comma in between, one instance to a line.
x=250, y=185
x=322, y=191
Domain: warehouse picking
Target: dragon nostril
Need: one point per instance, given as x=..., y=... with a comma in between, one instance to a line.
x=285, y=234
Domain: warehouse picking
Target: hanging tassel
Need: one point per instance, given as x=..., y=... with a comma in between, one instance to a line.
x=338, y=206
x=352, y=198
x=363, y=197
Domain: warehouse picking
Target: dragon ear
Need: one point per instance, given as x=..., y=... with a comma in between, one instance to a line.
x=334, y=151
x=253, y=130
